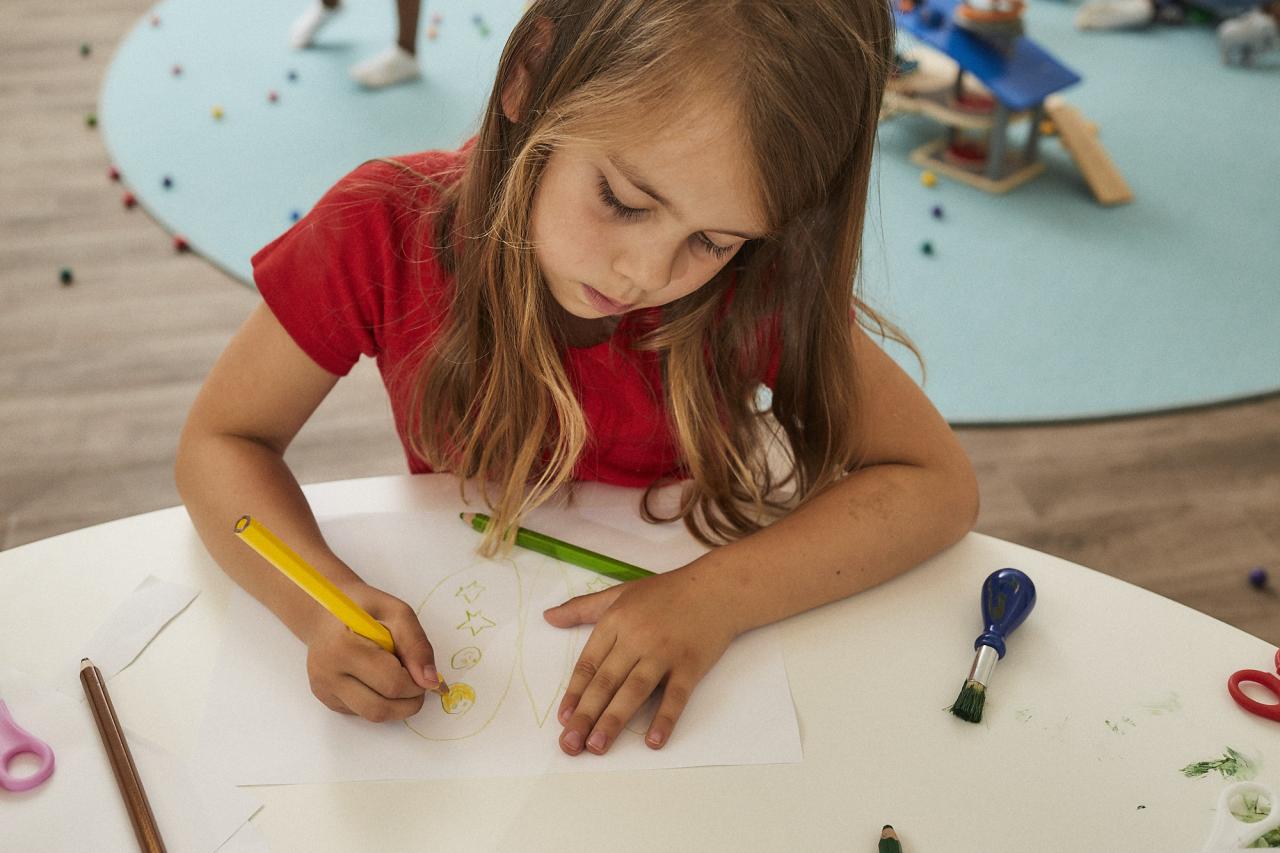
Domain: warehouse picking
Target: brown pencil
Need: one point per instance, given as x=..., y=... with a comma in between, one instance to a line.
x=135, y=798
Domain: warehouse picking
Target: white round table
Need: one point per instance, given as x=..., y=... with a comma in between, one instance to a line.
x=1107, y=692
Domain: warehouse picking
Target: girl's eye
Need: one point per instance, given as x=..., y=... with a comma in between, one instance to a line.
x=611, y=201
x=715, y=249
x=622, y=211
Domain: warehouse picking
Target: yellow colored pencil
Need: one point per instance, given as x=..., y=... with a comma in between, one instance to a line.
x=274, y=551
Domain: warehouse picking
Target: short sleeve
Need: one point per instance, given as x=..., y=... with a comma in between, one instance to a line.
x=326, y=278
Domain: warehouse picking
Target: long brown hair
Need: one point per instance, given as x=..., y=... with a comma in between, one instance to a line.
x=492, y=400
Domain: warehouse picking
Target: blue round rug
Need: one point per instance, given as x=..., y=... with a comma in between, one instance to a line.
x=1038, y=305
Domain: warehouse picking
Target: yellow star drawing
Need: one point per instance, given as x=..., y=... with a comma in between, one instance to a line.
x=598, y=584
x=470, y=592
x=476, y=622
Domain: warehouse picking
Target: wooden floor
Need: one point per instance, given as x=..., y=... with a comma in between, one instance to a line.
x=95, y=379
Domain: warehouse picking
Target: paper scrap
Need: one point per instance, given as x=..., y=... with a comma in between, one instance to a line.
x=484, y=618
x=132, y=626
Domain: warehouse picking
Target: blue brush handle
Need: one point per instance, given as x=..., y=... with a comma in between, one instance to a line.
x=1007, y=597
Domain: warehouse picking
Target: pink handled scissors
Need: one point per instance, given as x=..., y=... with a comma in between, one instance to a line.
x=14, y=741
x=1270, y=710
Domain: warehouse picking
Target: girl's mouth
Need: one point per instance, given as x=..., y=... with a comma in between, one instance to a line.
x=602, y=303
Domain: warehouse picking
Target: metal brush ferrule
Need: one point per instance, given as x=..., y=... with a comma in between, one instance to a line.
x=984, y=662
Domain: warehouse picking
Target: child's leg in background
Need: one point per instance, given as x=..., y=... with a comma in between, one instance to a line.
x=398, y=63
x=407, y=14
x=311, y=21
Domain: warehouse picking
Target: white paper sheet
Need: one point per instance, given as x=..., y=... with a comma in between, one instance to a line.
x=79, y=808
x=130, y=628
x=485, y=621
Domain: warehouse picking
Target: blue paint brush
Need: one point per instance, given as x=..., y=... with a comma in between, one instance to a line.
x=1007, y=597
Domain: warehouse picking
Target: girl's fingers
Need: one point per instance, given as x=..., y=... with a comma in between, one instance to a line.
x=642, y=681
x=412, y=647
x=597, y=648
x=362, y=700
x=333, y=703
x=675, y=696
x=609, y=677
x=380, y=670
x=584, y=609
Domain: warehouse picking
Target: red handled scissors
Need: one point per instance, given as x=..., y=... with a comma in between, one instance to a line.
x=1270, y=710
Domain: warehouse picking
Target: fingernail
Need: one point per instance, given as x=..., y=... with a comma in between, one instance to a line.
x=573, y=740
x=654, y=739
x=565, y=714
x=430, y=675
x=598, y=741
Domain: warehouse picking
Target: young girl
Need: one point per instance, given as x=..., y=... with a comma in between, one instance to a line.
x=662, y=210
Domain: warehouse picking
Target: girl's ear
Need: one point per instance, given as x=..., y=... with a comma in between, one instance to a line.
x=518, y=88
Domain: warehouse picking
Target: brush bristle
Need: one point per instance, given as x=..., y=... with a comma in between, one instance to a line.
x=969, y=703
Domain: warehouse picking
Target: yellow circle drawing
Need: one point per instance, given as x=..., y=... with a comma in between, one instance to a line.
x=459, y=699
x=465, y=658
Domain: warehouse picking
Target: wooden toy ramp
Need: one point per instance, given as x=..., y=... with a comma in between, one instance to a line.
x=1080, y=138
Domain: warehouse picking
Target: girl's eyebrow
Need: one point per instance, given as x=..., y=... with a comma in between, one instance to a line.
x=632, y=174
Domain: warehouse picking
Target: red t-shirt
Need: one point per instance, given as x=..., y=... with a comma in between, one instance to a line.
x=342, y=283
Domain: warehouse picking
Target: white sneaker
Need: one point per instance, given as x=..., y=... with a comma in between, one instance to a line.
x=394, y=65
x=309, y=23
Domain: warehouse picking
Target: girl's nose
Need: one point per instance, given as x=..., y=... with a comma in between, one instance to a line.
x=647, y=268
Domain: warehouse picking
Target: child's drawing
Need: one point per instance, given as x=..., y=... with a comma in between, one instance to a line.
x=493, y=610
x=459, y=700
x=470, y=592
x=482, y=636
x=475, y=622
x=599, y=584
x=546, y=653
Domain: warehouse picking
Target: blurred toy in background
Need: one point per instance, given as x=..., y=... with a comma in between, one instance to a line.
x=1242, y=38
x=979, y=76
x=1134, y=14
x=1115, y=14
x=999, y=22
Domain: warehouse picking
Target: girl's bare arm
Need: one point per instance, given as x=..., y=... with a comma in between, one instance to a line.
x=231, y=462
x=915, y=495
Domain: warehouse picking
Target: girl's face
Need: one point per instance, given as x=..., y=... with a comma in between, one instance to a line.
x=643, y=223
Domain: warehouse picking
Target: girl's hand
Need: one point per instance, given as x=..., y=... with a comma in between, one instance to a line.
x=354, y=675
x=666, y=630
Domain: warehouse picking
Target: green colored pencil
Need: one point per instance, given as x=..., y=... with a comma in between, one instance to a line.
x=564, y=551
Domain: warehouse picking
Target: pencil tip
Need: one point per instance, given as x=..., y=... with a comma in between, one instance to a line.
x=888, y=832
x=85, y=663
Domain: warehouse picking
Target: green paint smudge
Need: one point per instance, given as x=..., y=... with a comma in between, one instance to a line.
x=1271, y=839
x=1255, y=809
x=1232, y=765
